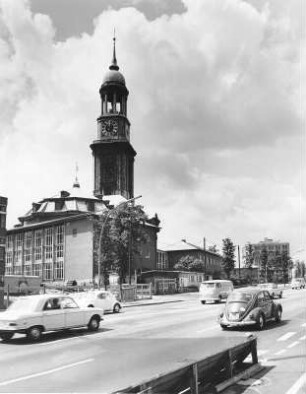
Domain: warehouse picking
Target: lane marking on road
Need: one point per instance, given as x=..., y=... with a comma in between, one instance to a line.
x=280, y=352
x=286, y=336
x=36, y=375
x=304, y=325
x=293, y=344
x=302, y=338
x=297, y=385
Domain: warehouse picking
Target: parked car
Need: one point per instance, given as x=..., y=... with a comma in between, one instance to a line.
x=215, y=290
x=273, y=289
x=249, y=306
x=36, y=314
x=99, y=298
x=298, y=283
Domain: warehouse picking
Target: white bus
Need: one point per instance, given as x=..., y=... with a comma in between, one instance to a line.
x=215, y=290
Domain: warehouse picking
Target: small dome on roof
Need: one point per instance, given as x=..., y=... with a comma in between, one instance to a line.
x=113, y=76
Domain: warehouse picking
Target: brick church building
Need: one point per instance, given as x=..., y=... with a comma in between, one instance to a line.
x=55, y=239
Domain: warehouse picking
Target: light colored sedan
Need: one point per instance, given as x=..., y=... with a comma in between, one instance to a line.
x=36, y=314
x=273, y=289
x=99, y=298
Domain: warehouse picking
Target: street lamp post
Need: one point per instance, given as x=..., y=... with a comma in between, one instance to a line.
x=102, y=231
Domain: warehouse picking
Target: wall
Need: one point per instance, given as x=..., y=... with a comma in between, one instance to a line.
x=79, y=250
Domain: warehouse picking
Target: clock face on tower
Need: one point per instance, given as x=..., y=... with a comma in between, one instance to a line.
x=109, y=127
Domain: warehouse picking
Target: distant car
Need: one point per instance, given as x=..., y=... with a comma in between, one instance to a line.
x=249, y=306
x=36, y=314
x=273, y=289
x=298, y=283
x=215, y=290
x=99, y=298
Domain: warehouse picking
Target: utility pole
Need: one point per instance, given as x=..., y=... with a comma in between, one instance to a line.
x=239, y=261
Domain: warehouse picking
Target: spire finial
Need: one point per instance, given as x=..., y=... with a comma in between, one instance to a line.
x=114, y=65
x=76, y=181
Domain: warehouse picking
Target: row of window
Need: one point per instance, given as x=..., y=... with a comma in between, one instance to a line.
x=26, y=251
x=46, y=271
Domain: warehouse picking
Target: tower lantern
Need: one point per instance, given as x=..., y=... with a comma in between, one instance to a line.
x=112, y=150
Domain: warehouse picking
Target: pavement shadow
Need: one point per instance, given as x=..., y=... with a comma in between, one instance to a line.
x=55, y=336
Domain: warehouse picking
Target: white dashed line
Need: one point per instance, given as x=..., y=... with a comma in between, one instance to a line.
x=286, y=336
x=35, y=375
x=280, y=352
x=292, y=344
x=297, y=385
x=302, y=338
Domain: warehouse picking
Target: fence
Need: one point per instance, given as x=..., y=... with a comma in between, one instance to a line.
x=132, y=292
x=210, y=375
x=165, y=286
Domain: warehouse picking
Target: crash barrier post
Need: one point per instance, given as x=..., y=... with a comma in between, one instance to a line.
x=205, y=376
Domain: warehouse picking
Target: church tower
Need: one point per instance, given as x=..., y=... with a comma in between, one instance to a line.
x=112, y=150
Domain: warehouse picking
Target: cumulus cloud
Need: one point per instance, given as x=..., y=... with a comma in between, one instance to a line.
x=214, y=105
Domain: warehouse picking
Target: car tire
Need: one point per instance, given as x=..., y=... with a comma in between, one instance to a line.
x=281, y=294
x=94, y=323
x=203, y=302
x=278, y=315
x=34, y=333
x=116, y=308
x=273, y=295
x=223, y=327
x=260, y=321
x=6, y=336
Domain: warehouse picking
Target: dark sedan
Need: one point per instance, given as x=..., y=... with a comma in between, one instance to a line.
x=249, y=306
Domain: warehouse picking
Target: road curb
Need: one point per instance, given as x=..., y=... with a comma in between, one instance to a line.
x=150, y=303
x=254, y=369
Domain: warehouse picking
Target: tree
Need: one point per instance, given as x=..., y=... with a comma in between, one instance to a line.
x=263, y=265
x=123, y=232
x=228, y=251
x=249, y=256
x=197, y=266
x=286, y=266
x=184, y=263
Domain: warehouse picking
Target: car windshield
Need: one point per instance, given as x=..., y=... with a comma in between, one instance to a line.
x=23, y=305
x=240, y=297
x=209, y=285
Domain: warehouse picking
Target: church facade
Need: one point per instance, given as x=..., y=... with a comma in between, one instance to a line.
x=56, y=239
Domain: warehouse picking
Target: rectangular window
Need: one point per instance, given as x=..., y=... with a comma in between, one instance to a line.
x=59, y=270
x=28, y=247
x=59, y=242
x=47, y=274
x=49, y=244
x=38, y=245
x=37, y=269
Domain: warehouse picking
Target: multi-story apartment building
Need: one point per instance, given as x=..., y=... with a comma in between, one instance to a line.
x=273, y=249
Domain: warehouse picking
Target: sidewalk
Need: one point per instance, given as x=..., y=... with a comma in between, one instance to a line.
x=160, y=299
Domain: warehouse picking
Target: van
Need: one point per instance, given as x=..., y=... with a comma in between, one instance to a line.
x=215, y=290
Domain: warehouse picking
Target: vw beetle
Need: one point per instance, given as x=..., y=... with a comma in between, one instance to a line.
x=249, y=307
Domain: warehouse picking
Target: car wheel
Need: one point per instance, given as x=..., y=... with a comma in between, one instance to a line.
x=203, y=302
x=281, y=294
x=6, y=336
x=116, y=308
x=272, y=295
x=278, y=315
x=34, y=333
x=223, y=327
x=94, y=324
x=260, y=322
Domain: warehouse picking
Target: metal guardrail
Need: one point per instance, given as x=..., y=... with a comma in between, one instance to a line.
x=202, y=376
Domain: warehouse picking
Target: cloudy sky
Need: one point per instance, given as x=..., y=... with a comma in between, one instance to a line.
x=215, y=106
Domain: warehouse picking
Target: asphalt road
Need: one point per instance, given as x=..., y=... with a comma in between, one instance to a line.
x=144, y=341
